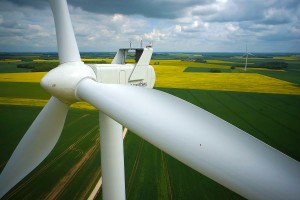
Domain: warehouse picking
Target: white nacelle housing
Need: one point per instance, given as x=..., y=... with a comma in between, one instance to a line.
x=61, y=81
x=138, y=74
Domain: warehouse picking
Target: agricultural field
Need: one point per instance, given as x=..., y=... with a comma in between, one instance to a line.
x=263, y=102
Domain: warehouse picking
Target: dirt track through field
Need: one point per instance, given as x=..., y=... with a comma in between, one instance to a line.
x=166, y=172
x=134, y=168
x=96, y=176
x=48, y=165
x=65, y=181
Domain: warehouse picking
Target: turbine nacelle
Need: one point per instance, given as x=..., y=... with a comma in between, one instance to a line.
x=190, y=134
x=137, y=73
x=120, y=74
x=61, y=81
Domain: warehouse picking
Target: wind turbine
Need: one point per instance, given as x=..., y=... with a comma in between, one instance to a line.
x=190, y=134
x=247, y=54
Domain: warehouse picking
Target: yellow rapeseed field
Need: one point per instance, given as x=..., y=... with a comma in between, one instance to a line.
x=286, y=58
x=108, y=60
x=169, y=74
x=174, y=77
x=83, y=60
x=224, y=62
x=40, y=103
x=33, y=77
x=22, y=101
x=10, y=60
x=178, y=63
x=42, y=60
x=260, y=69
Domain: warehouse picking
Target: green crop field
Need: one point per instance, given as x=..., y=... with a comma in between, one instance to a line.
x=272, y=118
x=11, y=67
x=73, y=168
x=61, y=173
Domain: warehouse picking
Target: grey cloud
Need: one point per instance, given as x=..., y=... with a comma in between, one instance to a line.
x=168, y=9
x=277, y=16
x=279, y=36
x=204, y=11
x=240, y=10
x=254, y=27
x=40, y=4
x=264, y=12
x=275, y=21
x=204, y=25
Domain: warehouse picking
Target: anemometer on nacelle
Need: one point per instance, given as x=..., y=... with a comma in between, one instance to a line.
x=138, y=73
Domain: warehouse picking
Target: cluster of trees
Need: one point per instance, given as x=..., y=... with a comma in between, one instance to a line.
x=214, y=70
x=268, y=65
x=47, y=66
x=96, y=62
x=274, y=65
x=200, y=60
x=39, y=66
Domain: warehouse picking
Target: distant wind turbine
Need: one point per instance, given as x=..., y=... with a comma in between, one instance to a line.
x=247, y=54
x=124, y=96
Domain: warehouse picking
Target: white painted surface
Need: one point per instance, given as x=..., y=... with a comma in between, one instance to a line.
x=199, y=139
x=66, y=42
x=62, y=80
x=141, y=67
x=36, y=144
x=120, y=57
x=110, y=74
x=112, y=158
x=99, y=183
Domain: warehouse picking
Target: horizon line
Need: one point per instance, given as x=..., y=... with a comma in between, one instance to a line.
x=226, y=52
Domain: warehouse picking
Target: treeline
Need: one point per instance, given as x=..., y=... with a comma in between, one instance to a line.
x=268, y=65
x=47, y=66
x=96, y=62
x=199, y=60
x=38, y=66
x=274, y=65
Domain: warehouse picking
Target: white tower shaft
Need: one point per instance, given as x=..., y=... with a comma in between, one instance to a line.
x=112, y=158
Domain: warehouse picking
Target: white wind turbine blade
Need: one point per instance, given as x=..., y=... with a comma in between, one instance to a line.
x=44, y=133
x=35, y=145
x=66, y=42
x=199, y=139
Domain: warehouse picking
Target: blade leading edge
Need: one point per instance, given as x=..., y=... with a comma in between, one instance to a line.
x=199, y=139
x=36, y=144
x=66, y=42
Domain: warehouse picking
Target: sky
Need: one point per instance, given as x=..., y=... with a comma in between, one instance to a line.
x=172, y=25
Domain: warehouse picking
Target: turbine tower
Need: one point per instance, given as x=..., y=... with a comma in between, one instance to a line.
x=247, y=54
x=124, y=96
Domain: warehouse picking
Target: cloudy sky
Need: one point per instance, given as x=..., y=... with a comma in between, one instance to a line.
x=172, y=25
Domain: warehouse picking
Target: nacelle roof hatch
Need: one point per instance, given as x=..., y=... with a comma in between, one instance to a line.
x=142, y=58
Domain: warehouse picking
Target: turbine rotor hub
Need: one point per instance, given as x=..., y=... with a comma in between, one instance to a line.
x=61, y=81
